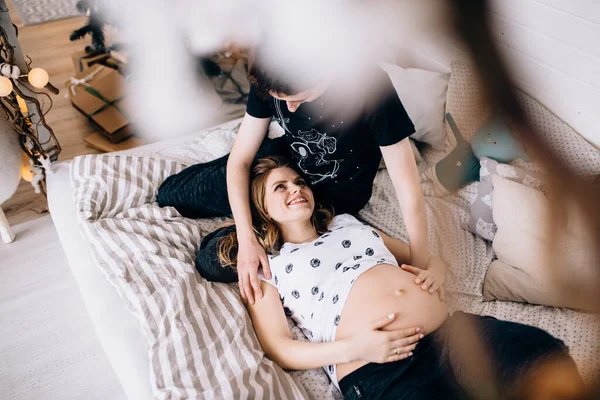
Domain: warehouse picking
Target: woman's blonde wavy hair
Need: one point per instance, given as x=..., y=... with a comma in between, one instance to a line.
x=265, y=228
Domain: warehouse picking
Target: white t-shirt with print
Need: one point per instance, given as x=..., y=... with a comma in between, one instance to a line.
x=314, y=278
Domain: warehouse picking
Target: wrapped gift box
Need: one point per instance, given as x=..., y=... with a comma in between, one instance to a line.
x=99, y=95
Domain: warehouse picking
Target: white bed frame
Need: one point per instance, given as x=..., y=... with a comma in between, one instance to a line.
x=119, y=332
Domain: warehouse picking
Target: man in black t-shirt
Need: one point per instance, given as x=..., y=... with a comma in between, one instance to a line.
x=338, y=148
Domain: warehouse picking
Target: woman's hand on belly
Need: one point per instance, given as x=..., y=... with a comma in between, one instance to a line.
x=372, y=344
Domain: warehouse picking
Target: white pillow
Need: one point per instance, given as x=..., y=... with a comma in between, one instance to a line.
x=565, y=277
x=423, y=94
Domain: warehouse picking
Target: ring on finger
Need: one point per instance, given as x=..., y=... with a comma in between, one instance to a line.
x=396, y=351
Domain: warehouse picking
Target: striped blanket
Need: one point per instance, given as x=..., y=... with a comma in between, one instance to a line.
x=200, y=339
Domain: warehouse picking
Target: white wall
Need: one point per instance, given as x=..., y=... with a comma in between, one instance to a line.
x=553, y=51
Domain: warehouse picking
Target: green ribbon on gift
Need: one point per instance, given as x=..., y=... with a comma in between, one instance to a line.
x=108, y=103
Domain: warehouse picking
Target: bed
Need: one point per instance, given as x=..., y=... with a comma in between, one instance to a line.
x=169, y=334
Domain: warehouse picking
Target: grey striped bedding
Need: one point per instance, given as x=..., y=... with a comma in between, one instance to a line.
x=200, y=340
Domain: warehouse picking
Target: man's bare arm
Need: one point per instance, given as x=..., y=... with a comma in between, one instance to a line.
x=402, y=167
x=251, y=134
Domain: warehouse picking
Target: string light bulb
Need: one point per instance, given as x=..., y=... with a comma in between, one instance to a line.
x=38, y=77
x=6, y=86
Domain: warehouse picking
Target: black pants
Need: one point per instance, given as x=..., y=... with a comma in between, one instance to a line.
x=200, y=191
x=434, y=371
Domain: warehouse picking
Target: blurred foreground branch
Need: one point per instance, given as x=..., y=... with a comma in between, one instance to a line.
x=471, y=22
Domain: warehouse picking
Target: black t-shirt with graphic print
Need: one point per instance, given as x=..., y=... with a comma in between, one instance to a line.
x=339, y=153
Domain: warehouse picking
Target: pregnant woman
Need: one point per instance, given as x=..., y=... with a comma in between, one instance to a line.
x=379, y=328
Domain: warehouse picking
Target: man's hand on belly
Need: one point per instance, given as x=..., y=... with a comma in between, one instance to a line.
x=429, y=280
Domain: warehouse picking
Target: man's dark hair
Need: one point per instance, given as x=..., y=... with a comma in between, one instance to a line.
x=266, y=81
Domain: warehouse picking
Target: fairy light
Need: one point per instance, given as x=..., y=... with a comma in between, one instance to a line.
x=6, y=86
x=38, y=77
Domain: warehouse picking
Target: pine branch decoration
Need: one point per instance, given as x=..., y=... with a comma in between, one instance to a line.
x=94, y=27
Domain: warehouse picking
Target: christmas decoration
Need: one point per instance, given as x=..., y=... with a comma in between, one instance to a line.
x=18, y=99
x=98, y=52
x=94, y=27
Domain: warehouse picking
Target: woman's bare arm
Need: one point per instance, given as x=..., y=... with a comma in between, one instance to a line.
x=276, y=339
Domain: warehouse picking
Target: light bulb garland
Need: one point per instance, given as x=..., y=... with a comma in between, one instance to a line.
x=19, y=102
x=37, y=77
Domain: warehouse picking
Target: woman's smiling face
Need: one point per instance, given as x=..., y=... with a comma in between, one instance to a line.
x=287, y=197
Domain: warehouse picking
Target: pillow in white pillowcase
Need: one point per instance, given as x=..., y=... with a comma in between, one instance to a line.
x=555, y=267
x=423, y=94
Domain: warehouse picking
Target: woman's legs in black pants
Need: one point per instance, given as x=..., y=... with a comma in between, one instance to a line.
x=518, y=356
x=447, y=365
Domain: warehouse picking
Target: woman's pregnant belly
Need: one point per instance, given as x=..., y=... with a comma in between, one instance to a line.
x=383, y=290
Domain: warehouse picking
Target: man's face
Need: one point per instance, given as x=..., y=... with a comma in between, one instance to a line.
x=293, y=101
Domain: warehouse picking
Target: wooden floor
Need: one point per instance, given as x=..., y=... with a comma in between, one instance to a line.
x=49, y=47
